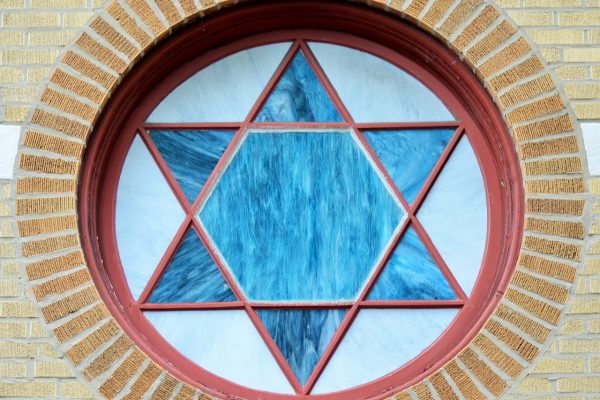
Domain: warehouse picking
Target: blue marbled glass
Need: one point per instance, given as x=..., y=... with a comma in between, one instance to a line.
x=191, y=155
x=302, y=335
x=409, y=155
x=191, y=276
x=299, y=97
x=301, y=216
x=411, y=274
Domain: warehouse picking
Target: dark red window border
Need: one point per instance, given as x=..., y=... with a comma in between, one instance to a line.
x=207, y=41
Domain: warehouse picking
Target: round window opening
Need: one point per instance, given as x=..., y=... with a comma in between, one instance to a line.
x=330, y=208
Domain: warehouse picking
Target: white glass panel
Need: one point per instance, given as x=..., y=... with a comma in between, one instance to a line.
x=147, y=216
x=223, y=91
x=226, y=343
x=454, y=215
x=374, y=90
x=379, y=342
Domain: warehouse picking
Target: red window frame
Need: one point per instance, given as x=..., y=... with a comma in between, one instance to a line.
x=181, y=56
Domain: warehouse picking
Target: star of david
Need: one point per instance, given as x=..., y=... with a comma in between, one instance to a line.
x=300, y=217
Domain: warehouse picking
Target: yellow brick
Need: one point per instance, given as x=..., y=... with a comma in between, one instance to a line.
x=12, y=369
x=16, y=113
x=17, y=309
x=557, y=36
x=10, y=269
x=7, y=249
x=594, y=286
x=6, y=230
x=586, y=110
x=582, y=54
x=583, y=90
x=9, y=288
x=48, y=38
x=31, y=20
x=534, y=385
x=594, y=326
x=579, y=345
x=579, y=384
x=508, y=3
x=30, y=56
x=12, y=38
x=551, y=3
x=37, y=330
x=12, y=3
x=76, y=20
x=594, y=36
x=5, y=191
x=21, y=93
x=49, y=351
x=13, y=329
x=58, y=3
x=531, y=18
x=578, y=18
x=28, y=389
x=571, y=327
x=571, y=73
x=551, y=54
x=37, y=75
x=52, y=369
x=75, y=391
x=557, y=365
x=11, y=75
x=17, y=350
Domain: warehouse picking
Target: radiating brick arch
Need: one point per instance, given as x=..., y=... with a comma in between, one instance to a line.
x=90, y=69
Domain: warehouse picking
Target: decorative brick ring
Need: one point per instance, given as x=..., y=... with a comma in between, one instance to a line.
x=89, y=73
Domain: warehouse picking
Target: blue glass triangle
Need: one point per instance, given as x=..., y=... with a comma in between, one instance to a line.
x=411, y=274
x=299, y=97
x=191, y=155
x=409, y=155
x=302, y=335
x=192, y=276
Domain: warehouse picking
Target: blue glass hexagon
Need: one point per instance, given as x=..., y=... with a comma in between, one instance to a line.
x=301, y=216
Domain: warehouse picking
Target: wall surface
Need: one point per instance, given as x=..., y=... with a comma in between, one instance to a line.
x=567, y=35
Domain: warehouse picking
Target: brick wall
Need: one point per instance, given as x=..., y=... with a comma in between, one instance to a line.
x=567, y=35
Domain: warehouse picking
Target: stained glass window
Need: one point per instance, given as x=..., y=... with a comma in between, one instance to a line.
x=297, y=236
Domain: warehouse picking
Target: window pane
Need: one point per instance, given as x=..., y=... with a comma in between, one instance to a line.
x=226, y=343
x=191, y=276
x=223, y=91
x=301, y=216
x=374, y=90
x=379, y=342
x=454, y=215
x=142, y=195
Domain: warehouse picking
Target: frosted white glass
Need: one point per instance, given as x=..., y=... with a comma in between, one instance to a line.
x=379, y=342
x=454, y=215
x=224, y=342
x=223, y=91
x=374, y=90
x=147, y=216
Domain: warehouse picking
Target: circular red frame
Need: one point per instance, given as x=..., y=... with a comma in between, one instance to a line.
x=224, y=33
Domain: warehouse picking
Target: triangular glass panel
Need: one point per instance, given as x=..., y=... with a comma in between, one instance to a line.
x=191, y=155
x=298, y=97
x=409, y=155
x=411, y=274
x=302, y=335
x=192, y=276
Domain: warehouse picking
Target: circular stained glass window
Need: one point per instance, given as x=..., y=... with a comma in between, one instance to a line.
x=302, y=213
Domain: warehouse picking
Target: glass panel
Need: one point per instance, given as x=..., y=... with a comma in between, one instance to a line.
x=379, y=342
x=373, y=90
x=302, y=335
x=454, y=215
x=299, y=97
x=315, y=211
x=226, y=343
x=191, y=155
x=223, y=91
x=411, y=274
x=409, y=155
x=192, y=276
x=142, y=195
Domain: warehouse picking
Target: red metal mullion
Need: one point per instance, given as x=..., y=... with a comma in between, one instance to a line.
x=411, y=304
x=438, y=258
x=304, y=125
x=192, y=125
x=231, y=305
x=406, y=125
x=279, y=358
x=300, y=305
x=164, y=261
x=444, y=157
x=164, y=168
